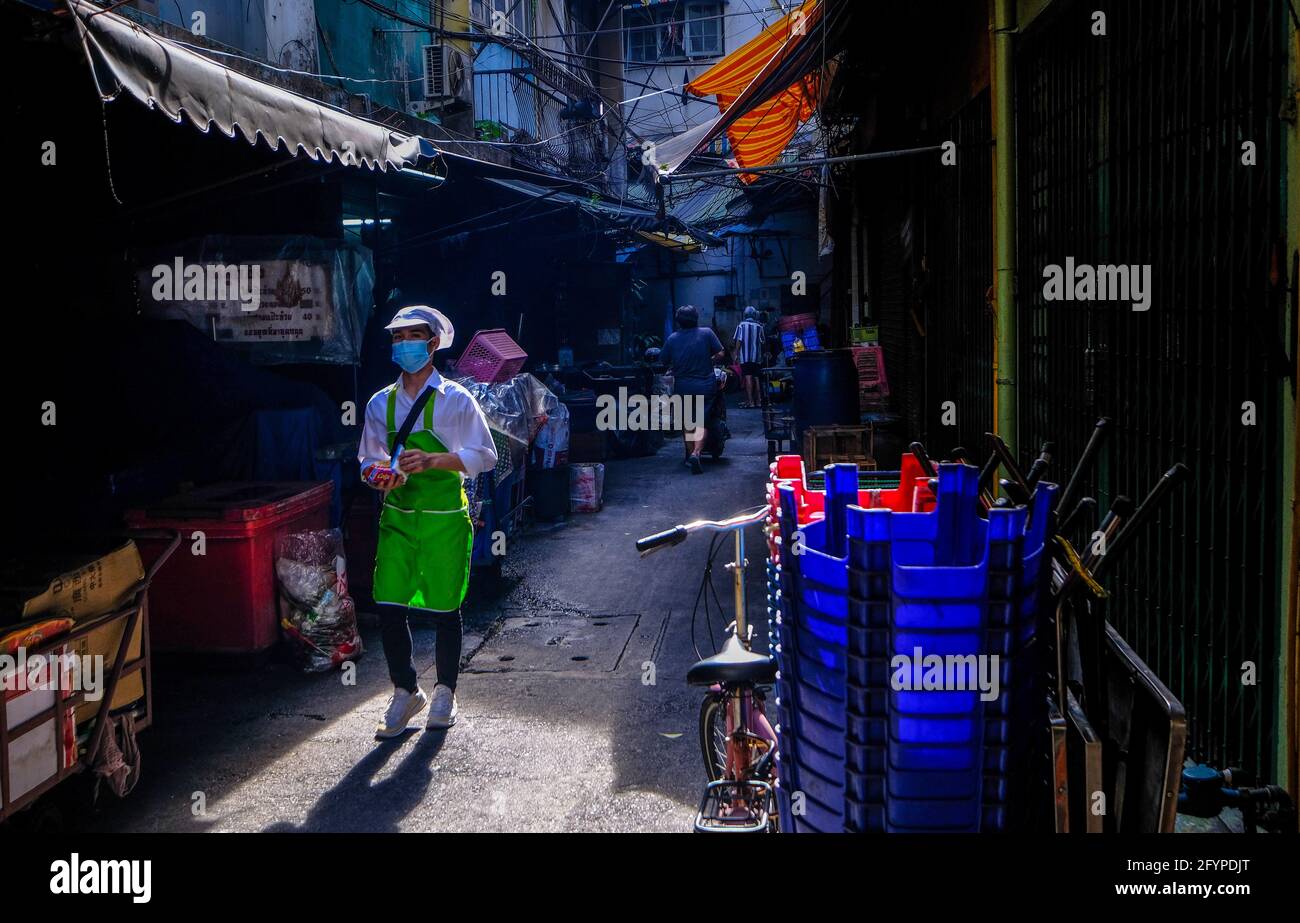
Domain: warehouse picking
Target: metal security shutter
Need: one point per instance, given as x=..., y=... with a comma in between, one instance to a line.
x=888, y=272
x=897, y=332
x=958, y=273
x=1130, y=153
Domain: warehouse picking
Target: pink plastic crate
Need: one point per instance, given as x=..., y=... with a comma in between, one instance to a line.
x=796, y=322
x=491, y=356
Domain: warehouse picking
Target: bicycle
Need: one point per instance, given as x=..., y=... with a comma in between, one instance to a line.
x=736, y=740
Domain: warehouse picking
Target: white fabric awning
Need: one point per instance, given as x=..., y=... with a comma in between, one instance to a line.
x=166, y=75
x=672, y=152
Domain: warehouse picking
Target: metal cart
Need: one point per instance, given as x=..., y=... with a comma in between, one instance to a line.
x=778, y=419
x=135, y=612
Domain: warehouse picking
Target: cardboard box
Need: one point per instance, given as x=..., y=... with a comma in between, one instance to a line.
x=36, y=756
x=98, y=587
x=103, y=642
x=33, y=759
x=103, y=585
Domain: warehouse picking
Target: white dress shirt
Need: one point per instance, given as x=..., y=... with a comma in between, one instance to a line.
x=458, y=422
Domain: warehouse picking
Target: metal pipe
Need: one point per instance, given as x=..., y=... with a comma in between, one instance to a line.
x=1040, y=465
x=1004, y=221
x=1006, y=456
x=927, y=466
x=1099, y=433
x=1289, y=757
x=738, y=587
x=855, y=300
x=1085, y=507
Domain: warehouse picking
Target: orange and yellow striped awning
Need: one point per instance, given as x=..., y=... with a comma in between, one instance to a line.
x=761, y=133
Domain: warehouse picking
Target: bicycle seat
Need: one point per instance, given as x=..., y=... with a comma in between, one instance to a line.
x=732, y=664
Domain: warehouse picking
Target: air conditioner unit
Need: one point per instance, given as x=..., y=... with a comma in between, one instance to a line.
x=448, y=77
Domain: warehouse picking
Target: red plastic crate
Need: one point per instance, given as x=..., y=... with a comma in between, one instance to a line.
x=224, y=601
x=911, y=495
x=491, y=356
x=873, y=383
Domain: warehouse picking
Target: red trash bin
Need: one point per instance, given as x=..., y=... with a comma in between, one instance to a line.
x=224, y=601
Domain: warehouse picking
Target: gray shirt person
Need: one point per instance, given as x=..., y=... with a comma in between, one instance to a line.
x=689, y=354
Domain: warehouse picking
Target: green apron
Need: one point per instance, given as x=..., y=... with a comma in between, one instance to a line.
x=425, y=535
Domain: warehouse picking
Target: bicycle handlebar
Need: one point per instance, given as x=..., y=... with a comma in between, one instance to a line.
x=677, y=534
x=674, y=536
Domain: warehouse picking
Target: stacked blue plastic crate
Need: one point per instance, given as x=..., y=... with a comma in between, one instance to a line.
x=861, y=752
x=812, y=644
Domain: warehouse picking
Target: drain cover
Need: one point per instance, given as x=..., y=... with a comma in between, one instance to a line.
x=556, y=643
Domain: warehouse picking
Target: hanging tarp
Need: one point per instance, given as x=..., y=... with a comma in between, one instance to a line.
x=766, y=88
x=166, y=75
x=681, y=242
x=280, y=299
x=759, y=134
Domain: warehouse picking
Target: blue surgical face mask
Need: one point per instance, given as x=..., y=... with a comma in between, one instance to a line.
x=411, y=355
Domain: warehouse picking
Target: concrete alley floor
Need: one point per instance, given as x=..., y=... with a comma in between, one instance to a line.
x=557, y=730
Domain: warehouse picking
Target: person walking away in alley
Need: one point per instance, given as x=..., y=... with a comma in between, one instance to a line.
x=690, y=354
x=748, y=347
x=423, y=436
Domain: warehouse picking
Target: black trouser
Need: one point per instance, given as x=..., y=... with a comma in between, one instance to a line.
x=397, y=646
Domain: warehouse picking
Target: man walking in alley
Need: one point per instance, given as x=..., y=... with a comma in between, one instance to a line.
x=690, y=354
x=423, y=436
x=747, y=346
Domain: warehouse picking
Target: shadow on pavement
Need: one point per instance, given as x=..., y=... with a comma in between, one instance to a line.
x=358, y=804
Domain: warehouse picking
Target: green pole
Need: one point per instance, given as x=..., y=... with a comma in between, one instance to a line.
x=1287, y=758
x=1004, y=222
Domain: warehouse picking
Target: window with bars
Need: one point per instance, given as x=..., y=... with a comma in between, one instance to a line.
x=703, y=30
x=641, y=36
x=673, y=32
x=512, y=15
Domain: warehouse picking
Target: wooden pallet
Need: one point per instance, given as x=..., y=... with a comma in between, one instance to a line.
x=830, y=445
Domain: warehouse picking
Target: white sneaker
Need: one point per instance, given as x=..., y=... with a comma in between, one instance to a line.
x=442, y=711
x=402, y=707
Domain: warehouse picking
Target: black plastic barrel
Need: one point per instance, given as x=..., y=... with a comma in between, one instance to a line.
x=550, y=490
x=825, y=390
x=582, y=410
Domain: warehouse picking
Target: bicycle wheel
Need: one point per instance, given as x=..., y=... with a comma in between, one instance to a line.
x=713, y=735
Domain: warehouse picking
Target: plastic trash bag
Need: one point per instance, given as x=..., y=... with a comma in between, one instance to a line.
x=317, y=616
x=551, y=448
x=519, y=406
x=586, y=488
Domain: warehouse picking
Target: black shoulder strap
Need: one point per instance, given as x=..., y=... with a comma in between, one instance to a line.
x=414, y=414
